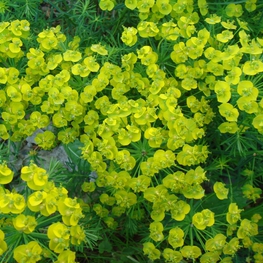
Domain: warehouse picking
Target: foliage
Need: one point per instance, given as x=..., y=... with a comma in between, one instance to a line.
x=159, y=106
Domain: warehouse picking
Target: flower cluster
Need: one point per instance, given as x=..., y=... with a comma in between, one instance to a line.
x=151, y=125
x=28, y=213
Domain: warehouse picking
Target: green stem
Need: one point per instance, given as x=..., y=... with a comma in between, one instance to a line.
x=48, y=221
x=12, y=248
x=230, y=187
x=191, y=235
x=34, y=235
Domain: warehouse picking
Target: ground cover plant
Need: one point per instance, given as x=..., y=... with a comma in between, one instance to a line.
x=159, y=107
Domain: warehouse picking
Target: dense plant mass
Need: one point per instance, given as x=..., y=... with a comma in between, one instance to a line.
x=159, y=105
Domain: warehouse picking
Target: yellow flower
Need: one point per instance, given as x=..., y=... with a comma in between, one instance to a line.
x=88, y=187
x=233, y=76
x=149, y=60
x=128, y=61
x=72, y=55
x=171, y=255
x=247, y=229
x=129, y=37
x=228, y=127
x=132, y=134
x=81, y=70
x=220, y=190
x=125, y=199
x=216, y=243
x=251, y=192
x=150, y=250
x=45, y=140
x=258, y=258
x=3, y=26
x=215, y=68
x=39, y=120
x=247, y=105
x=257, y=247
x=147, y=29
x=12, y=203
x=131, y=4
x=70, y=210
x=202, y=4
x=98, y=48
x=48, y=43
x=228, y=24
x=179, y=53
x=208, y=257
x=101, y=211
x=35, y=200
x=77, y=234
x=53, y=61
x=145, y=115
x=170, y=31
x=194, y=191
x=19, y=28
x=154, y=136
x=125, y=161
x=180, y=210
x=15, y=45
x=253, y=67
x=213, y=19
x=234, y=10
x=233, y=214
x=253, y=48
x=246, y=89
x=225, y=36
x=106, y=199
x=91, y=64
x=110, y=222
x=258, y=122
x=164, y=159
x=3, y=133
x=14, y=93
x=144, y=5
x=231, y=247
x=192, y=155
x=35, y=176
x=228, y=111
x=189, y=83
x=231, y=51
x=164, y=6
x=222, y=90
x=106, y=5
x=6, y=174
x=25, y=223
x=66, y=256
x=175, y=181
x=31, y=252
x=191, y=252
x=243, y=25
x=250, y=5
x=3, y=76
x=156, y=229
x=140, y=183
x=59, y=236
x=156, y=194
x=203, y=219
x=176, y=237
x=3, y=245
x=255, y=218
